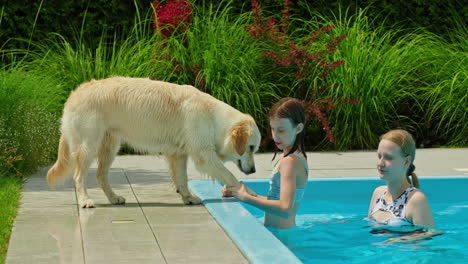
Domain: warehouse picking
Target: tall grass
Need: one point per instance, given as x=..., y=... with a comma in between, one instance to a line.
x=217, y=55
x=10, y=188
x=445, y=95
x=395, y=74
x=28, y=120
x=410, y=79
x=375, y=72
x=75, y=61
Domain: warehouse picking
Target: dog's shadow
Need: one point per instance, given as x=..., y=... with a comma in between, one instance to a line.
x=146, y=205
x=156, y=204
x=220, y=200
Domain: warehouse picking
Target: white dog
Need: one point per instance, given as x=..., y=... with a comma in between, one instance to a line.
x=177, y=121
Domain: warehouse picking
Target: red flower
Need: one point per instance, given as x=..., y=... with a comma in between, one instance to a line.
x=284, y=61
x=170, y=15
x=270, y=54
x=253, y=30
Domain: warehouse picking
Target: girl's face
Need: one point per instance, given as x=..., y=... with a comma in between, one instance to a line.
x=391, y=164
x=284, y=133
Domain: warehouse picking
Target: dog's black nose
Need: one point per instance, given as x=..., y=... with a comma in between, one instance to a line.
x=252, y=170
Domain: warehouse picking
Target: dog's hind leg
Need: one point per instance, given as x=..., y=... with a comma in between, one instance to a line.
x=106, y=153
x=178, y=170
x=83, y=157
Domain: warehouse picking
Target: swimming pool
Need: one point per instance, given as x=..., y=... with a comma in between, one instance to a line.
x=323, y=237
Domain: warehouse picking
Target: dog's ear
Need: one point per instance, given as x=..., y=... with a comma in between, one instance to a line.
x=239, y=135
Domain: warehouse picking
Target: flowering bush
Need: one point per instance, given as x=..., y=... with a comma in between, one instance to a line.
x=303, y=61
x=171, y=15
x=28, y=141
x=8, y=160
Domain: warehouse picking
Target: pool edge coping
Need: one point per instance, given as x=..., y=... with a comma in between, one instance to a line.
x=253, y=239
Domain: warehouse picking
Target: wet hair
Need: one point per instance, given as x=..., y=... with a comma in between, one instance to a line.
x=408, y=147
x=292, y=109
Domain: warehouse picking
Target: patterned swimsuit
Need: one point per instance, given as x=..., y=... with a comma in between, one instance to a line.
x=396, y=208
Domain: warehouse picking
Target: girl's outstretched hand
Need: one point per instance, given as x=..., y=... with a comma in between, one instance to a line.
x=239, y=191
x=226, y=192
x=232, y=191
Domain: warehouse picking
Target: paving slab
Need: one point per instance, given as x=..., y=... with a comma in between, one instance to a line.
x=154, y=226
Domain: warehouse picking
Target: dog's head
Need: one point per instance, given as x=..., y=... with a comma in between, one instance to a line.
x=242, y=141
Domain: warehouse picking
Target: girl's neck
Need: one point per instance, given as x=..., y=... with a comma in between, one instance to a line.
x=395, y=189
x=287, y=151
x=284, y=152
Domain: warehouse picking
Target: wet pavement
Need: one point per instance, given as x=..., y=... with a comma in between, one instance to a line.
x=154, y=226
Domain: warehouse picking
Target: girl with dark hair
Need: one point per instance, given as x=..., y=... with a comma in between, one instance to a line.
x=290, y=173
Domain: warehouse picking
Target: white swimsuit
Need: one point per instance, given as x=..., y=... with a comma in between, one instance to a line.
x=396, y=208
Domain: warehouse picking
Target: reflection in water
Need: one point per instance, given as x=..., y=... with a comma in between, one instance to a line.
x=67, y=235
x=349, y=238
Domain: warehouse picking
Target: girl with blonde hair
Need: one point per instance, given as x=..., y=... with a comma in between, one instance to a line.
x=399, y=201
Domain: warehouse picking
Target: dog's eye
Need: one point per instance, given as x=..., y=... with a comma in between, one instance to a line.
x=251, y=148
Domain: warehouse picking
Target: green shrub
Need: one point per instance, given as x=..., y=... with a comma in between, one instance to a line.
x=413, y=80
x=376, y=72
x=217, y=55
x=409, y=79
x=74, y=61
x=444, y=93
x=433, y=15
x=34, y=20
x=28, y=122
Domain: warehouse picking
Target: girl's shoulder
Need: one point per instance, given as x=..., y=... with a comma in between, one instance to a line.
x=294, y=164
x=291, y=159
x=416, y=197
x=418, y=207
x=379, y=190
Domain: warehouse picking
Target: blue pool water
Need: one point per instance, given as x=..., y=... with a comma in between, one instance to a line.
x=331, y=225
x=321, y=235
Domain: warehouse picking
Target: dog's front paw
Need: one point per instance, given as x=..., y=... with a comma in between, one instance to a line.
x=117, y=199
x=87, y=203
x=191, y=200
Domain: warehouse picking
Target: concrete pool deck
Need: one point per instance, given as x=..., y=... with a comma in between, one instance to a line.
x=154, y=226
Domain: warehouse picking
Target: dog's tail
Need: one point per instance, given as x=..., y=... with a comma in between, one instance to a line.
x=62, y=167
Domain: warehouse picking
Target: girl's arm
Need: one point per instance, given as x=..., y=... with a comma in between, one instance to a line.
x=420, y=214
x=376, y=193
x=288, y=170
x=418, y=210
x=431, y=232
x=227, y=193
